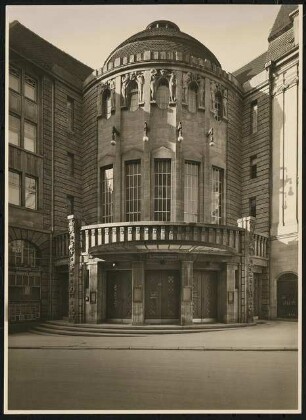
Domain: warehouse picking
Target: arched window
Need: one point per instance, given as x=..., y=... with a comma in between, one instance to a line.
x=163, y=94
x=106, y=104
x=23, y=254
x=218, y=106
x=192, y=97
x=133, y=96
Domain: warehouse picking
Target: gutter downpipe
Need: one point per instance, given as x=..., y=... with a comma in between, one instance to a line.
x=269, y=68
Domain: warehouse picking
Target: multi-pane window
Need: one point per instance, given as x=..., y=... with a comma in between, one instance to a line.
x=133, y=96
x=30, y=193
x=14, y=130
x=30, y=136
x=192, y=98
x=217, y=195
x=254, y=117
x=14, y=188
x=22, y=253
x=252, y=206
x=191, y=192
x=70, y=159
x=133, y=191
x=23, y=117
x=107, y=187
x=70, y=204
x=162, y=189
x=70, y=114
x=15, y=80
x=253, y=166
x=30, y=88
x=218, y=106
x=163, y=95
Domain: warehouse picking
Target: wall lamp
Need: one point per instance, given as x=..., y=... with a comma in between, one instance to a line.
x=210, y=134
x=180, y=132
x=115, y=133
x=145, y=132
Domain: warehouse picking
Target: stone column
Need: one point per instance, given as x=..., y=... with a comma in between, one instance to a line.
x=76, y=299
x=247, y=275
x=227, y=295
x=186, y=292
x=138, y=292
x=95, y=299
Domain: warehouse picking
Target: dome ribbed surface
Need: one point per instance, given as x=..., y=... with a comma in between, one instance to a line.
x=162, y=36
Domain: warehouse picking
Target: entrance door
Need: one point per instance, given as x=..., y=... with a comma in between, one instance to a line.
x=162, y=295
x=204, y=295
x=287, y=296
x=119, y=295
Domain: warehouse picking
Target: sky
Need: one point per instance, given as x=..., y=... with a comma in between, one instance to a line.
x=236, y=34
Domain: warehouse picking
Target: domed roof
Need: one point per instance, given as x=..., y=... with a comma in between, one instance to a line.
x=162, y=35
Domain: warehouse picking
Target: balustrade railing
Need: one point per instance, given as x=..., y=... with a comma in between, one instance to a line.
x=260, y=245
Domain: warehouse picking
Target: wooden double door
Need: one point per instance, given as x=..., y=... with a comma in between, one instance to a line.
x=162, y=295
x=287, y=296
x=205, y=295
x=119, y=295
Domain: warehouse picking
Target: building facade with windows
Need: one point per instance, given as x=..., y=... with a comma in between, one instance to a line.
x=145, y=191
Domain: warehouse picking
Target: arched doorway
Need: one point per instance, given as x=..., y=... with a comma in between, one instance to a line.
x=287, y=296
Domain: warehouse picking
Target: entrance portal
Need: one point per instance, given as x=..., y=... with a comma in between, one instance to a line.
x=119, y=295
x=162, y=296
x=287, y=296
x=204, y=295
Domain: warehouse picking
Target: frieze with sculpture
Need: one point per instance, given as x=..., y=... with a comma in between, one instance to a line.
x=156, y=77
x=102, y=87
x=129, y=79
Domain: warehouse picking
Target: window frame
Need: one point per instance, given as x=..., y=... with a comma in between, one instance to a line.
x=13, y=171
x=191, y=217
x=162, y=205
x=162, y=105
x=133, y=202
x=70, y=201
x=70, y=114
x=219, y=183
x=253, y=167
x=71, y=163
x=105, y=202
x=254, y=117
x=253, y=206
x=30, y=177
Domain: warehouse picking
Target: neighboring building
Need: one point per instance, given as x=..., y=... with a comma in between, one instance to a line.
x=179, y=181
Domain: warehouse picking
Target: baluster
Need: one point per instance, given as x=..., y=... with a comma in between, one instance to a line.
x=121, y=233
x=106, y=235
x=86, y=241
x=137, y=233
x=231, y=238
x=146, y=233
x=210, y=235
x=154, y=233
x=99, y=236
x=218, y=236
x=130, y=233
x=162, y=233
x=93, y=237
x=114, y=234
x=170, y=233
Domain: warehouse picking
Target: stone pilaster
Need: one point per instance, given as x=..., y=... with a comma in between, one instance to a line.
x=186, y=292
x=138, y=293
x=248, y=223
x=95, y=301
x=76, y=300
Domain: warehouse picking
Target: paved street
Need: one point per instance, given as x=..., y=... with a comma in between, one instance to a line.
x=80, y=376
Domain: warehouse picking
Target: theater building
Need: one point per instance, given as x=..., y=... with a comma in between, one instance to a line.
x=157, y=189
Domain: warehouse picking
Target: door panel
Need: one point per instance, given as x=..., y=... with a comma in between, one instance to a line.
x=119, y=295
x=205, y=295
x=162, y=295
x=287, y=297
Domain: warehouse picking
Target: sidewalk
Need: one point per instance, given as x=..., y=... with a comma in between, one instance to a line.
x=271, y=336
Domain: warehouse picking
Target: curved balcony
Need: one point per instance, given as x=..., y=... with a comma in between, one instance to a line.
x=144, y=234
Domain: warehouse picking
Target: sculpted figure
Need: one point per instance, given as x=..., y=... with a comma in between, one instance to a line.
x=124, y=82
x=224, y=104
x=186, y=81
x=213, y=88
x=140, y=83
x=202, y=92
x=112, y=86
x=172, y=87
x=153, y=83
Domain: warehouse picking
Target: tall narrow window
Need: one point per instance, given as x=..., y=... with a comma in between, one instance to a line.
x=30, y=136
x=30, y=88
x=14, y=130
x=15, y=80
x=30, y=193
x=15, y=188
x=217, y=195
x=252, y=206
x=163, y=94
x=192, y=98
x=253, y=166
x=107, y=187
x=70, y=158
x=162, y=189
x=70, y=204
x=191, y=192
x=133, y=191
x=254, y=117
x=133, y=96
x=70, y=114
x=107, y=104
x=218, y=106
